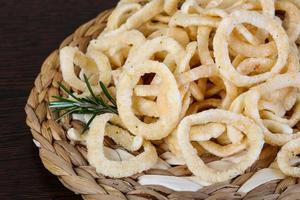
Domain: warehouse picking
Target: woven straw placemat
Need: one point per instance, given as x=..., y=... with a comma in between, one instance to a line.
x=68, y=161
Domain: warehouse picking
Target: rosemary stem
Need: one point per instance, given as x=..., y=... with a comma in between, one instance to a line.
x=94, y=104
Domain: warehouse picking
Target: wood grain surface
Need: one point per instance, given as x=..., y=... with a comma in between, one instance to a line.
x=30, y=30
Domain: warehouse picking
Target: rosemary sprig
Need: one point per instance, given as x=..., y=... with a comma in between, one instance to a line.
x=94, y=105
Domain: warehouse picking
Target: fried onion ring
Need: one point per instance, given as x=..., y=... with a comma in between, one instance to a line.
x=221, y=46
x=93, y=60
x=195, y=163
x=287, y=152
x=254, y=96
x=116, y=169
x=168, y=100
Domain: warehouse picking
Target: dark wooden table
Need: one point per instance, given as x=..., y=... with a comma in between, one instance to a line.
x=29, y=31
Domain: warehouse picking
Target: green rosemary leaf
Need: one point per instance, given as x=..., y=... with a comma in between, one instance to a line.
x=70, y=111
x=89, y=87
x=93, y=101
x=68, y=91
x=105, y=91
x=63, y=98
x=94, y=105
x=89, y=122
x=101, y=101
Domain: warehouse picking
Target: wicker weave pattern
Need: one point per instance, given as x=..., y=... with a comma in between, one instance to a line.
x=69, y=163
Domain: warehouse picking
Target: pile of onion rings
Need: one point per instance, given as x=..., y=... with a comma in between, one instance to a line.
x=193, y=78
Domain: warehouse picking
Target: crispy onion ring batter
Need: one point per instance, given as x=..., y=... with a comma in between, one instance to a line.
x=194, y=162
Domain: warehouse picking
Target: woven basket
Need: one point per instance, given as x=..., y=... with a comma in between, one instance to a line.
x=68, y=161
